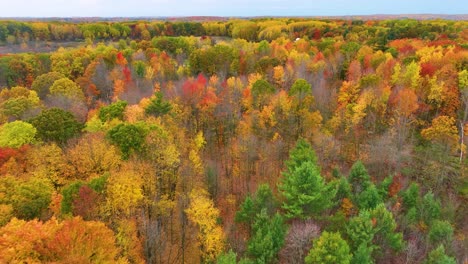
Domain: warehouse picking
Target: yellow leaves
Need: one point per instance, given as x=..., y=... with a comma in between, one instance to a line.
x=199, y=141
x=299, y=58
x=429, y=53
x=436, y=92
x=49, y=162
x=124, y=191
x=443, y=131
x=234, y=83
x=194, y=156
x=92, y=156
x=202, y=212
x=6, y=213
x=253, y=77
x=267, y=117
x=396, y=74
x=411, y=77
x=278, y=75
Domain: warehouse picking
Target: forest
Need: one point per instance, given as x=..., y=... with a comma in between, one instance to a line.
x=253, y=141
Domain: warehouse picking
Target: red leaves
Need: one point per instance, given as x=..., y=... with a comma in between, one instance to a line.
x=7, y=153
x=127, y=74
x=121, y=59
x=428, y=69
x=84, y=203
x=192, y=89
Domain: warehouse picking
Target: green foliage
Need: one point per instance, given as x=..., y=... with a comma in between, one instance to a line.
x=359, y=178
x=128, y=137
x=227, y=258
x=329, y=248
x=16, y=134
x=57, y=125
x=158, y=106
x=362, y=255
x=440, y=231
x=300, y=88
x=438, y=256
x=267, y=238
x=369, y=198
x=115, y=110
x=262, y=200
x=304, y=189
x=99, y=184
x=43, y=82
x=429, y=208
x=373, y=230
x=68, y=194
x=410, y=196
x=31, y=198
x=301, y=153
x=261, y=88
x=66, y=88
x=360, y=230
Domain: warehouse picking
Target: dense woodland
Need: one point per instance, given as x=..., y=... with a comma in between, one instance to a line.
x=238, y=141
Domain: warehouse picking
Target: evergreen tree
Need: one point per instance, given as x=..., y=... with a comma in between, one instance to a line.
x=304, y=189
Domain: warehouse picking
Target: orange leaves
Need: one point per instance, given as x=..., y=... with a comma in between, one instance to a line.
x=70, y=241
x=395, y=186
x=406, y=102
x=347, y=207
x=121, y=60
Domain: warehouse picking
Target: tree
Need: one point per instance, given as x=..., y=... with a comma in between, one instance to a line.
x=440, y=231
x=329, y=248
x=57, y=125
x=16, y=134
x=438, y=256
x=305, y=191
x=18, y=102
x=443, y=130
x=298, y=241
x=128, y=137
x=91, y=156
x=43, y=82
x=267, y=237
x=202, y=212
x=358, y=178
x=263, y=199
x=306, y=194
x=373, y=231
x=124, y=192
x=261, y=89
x=31, y=198
x=227, y=258
x=157, y=106
x=70, y=241
x=66, y=88
x=115, y=110
x=300, y=88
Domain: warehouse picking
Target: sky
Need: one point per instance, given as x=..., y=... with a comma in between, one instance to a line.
x=132, y=8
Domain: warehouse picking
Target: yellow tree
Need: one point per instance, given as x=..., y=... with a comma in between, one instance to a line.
x=91, y=156
x=124, y=191
x=203, y=213
x=442, y=131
